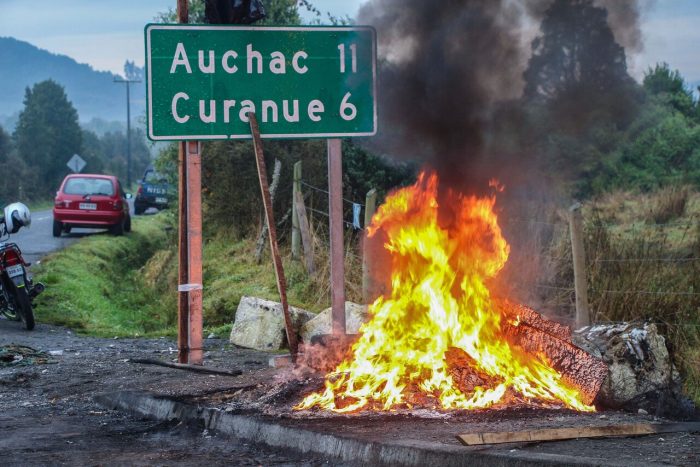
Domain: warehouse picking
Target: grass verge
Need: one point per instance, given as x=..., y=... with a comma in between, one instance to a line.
x=96, y=286
x=125, y=286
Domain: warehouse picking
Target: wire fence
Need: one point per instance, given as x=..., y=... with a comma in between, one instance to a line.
x=639, y=270
x=356, y=224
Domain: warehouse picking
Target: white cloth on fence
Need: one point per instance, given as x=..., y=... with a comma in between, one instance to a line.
x=356, y=208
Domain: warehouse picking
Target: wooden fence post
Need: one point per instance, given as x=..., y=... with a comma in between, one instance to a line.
x=583, y=317
x=370, y=207
x=260, y=246
x=305, y=233
x=296, y=188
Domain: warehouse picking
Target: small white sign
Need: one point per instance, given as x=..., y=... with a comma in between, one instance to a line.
x=76, y=163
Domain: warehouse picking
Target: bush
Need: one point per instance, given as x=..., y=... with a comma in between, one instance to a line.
x=670, y=203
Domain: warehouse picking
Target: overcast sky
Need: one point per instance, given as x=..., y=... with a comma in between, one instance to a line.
x=105, y=33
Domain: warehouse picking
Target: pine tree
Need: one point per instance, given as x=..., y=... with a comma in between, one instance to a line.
x=47, y=134
x=575, y=54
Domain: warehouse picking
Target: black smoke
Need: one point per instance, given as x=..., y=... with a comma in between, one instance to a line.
x=453, y=75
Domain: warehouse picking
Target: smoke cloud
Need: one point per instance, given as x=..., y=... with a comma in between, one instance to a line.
x=448, y=67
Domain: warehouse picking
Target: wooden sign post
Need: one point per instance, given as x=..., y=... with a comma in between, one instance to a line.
x=189, y=335
x=335, y=208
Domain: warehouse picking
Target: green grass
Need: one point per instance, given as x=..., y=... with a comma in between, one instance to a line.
x=639, y=229
x=42, y=205
x=230, y=272
x=126, y=286
x=97, y=286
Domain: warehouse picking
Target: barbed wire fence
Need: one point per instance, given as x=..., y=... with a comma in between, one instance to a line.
x=639, y=272
x=316, y=206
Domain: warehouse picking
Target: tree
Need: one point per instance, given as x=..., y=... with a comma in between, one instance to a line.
x=114, y=150
x=576, y=53
x=15, y=174
x=92, y=152
x=47, y=134
x=670, y=87
x=195, y=10
x=133, y=72
x=578, y=97
x=279, y=12
x=4, y=145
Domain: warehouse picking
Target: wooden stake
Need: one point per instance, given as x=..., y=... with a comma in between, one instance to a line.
x=554, y=434
x=296, y=188
x=370, y=207
x=272, y=229
x=335, y=205
x=583, y=317
x=305, y=233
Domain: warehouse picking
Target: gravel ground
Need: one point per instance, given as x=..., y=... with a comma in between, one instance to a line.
x=48, y=416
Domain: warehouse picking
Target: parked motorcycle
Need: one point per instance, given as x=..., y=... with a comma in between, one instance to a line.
x=17, y=289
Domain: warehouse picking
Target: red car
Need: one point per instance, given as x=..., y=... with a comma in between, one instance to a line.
x=92, y=201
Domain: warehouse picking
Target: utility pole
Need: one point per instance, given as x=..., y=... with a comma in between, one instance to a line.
x=128, y=126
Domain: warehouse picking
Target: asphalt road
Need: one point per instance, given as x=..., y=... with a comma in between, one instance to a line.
x=37, y=241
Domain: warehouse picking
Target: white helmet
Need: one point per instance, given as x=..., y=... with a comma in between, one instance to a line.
x=17, y=215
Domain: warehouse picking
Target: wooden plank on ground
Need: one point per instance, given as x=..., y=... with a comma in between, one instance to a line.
x=188, y=367
x=554, y=434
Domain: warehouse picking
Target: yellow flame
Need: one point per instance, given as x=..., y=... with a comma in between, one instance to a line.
x=439, y=299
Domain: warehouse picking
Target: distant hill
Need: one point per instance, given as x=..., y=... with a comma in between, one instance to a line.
x=93, y=93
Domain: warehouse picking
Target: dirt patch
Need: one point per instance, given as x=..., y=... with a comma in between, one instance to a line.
x=48, y=415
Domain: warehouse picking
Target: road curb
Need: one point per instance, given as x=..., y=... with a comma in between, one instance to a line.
x=345, y=448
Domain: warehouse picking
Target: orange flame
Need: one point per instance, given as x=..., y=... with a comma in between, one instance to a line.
x=439, y=300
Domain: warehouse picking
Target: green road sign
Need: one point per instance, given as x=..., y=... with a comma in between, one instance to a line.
x=310, y=82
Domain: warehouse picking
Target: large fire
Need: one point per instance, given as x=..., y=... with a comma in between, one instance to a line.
x=439, y=302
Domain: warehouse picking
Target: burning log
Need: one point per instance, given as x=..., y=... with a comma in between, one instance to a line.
x=526, y=315
x=577, y=367
x=464, y=372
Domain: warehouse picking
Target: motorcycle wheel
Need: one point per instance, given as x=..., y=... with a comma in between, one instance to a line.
x=24, y=310
x=10, y=314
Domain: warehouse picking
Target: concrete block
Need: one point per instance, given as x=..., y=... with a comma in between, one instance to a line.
x=355, y=316
x=259, y=324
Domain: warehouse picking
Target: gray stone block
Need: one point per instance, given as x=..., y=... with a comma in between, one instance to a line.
x=355, y=316
x=259, y=324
